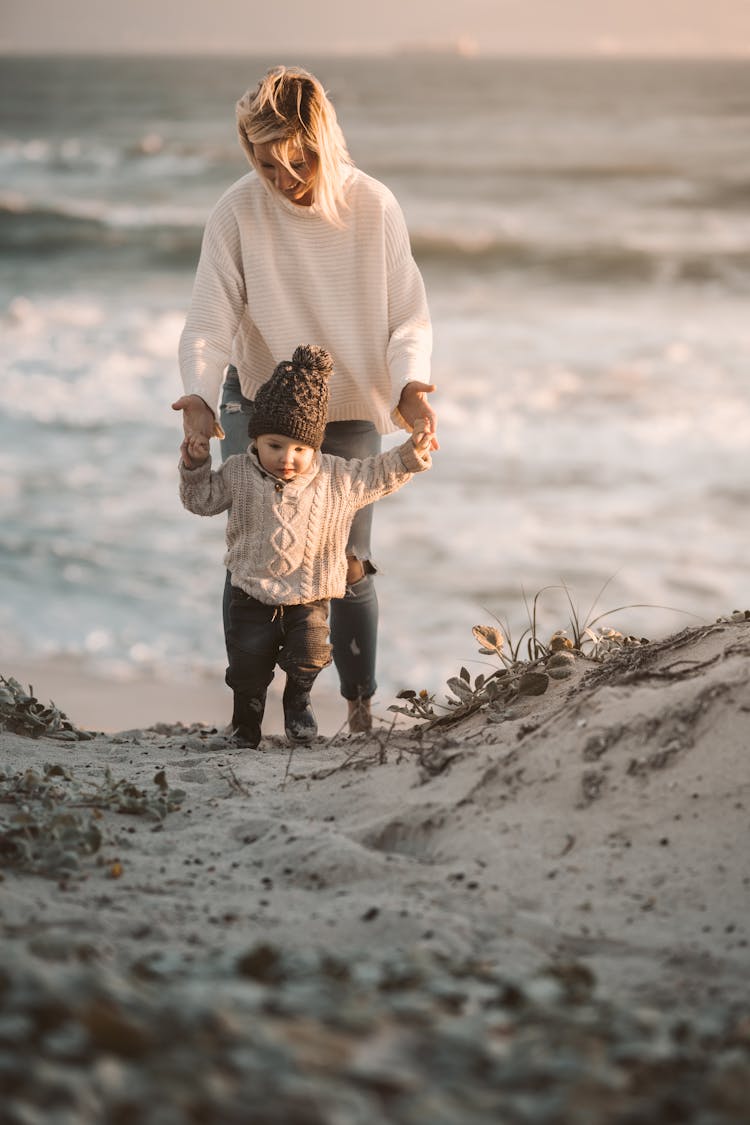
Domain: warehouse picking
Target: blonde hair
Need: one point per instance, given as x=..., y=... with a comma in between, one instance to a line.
x=289, y=109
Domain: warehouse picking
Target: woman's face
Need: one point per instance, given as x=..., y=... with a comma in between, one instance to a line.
x=304, y=163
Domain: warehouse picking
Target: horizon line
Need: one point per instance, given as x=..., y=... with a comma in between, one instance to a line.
x=728, y=54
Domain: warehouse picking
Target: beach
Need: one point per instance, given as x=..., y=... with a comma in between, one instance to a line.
x=524, y=898
x=562, y=873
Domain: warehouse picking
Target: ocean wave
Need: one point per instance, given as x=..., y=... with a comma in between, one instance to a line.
x=584, y=261
x=41, y=231
x=729, y=196
x=496, y=168
x=150, y=154
x=169, y=236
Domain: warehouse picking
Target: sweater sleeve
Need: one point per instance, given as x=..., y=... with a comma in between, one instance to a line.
x=204, y=492
x=410, y=331
x=218, y=302
x=372, y=478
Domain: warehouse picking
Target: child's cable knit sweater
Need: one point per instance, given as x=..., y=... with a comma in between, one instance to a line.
x=286, y=541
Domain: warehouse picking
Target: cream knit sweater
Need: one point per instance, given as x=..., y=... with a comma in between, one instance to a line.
x=286, y=541
x=273, y=274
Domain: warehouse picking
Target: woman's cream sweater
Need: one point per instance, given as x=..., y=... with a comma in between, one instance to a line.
x=272, y=274
x=286, y=541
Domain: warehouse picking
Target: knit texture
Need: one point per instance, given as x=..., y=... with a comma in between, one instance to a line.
x=286, y=541
x=294, y=401
x=272, y=273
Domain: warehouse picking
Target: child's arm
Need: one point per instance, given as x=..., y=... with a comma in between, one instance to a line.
x=202, y=491
x=375, y=477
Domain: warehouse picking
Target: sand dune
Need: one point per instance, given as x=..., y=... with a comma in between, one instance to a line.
x=605, y=824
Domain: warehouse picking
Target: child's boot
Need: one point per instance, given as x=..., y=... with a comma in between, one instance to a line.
x=247, y=718
x=299, y=720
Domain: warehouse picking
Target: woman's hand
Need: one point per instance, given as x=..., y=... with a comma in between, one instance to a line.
x=197, y=418
x=413, y=407
x=194, y=451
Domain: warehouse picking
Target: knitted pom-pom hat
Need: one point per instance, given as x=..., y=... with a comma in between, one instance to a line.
x=294, y=401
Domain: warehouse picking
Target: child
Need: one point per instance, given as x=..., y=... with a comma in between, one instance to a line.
x=290, y=508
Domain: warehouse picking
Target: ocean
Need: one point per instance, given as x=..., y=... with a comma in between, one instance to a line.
x=584, y=233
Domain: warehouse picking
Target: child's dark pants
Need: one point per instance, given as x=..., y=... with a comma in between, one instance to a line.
x=260, y=636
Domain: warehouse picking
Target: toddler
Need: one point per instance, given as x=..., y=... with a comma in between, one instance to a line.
x=290, y=508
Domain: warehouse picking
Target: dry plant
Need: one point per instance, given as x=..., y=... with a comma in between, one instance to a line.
x=22, y=713
x=527, y=662
x=46, y=834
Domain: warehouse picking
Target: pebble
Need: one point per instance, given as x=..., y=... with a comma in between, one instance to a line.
x=377, y=1038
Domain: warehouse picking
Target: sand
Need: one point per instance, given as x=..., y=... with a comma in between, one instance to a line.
x=606, y=822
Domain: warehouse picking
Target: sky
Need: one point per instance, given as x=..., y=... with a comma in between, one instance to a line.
x=673, y=27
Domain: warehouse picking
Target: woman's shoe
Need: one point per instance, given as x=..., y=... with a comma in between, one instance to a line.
x=299, y=720
x=360, y=716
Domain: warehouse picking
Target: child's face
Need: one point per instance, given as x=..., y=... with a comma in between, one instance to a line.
x=283, y=457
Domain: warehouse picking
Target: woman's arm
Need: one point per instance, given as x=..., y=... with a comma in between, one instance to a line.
x=217, y=305
x=410, y=331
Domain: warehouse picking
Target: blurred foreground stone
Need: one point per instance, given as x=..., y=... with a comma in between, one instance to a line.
x=277, y=1038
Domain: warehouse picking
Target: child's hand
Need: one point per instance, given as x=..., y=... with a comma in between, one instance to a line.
x=194, y=450
x=422, y=436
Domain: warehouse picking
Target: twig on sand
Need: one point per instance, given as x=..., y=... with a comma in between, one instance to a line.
x=234, y=783
x=337, y=733
x=298, y=777
x=288, y=764
x=630, y=665
x=350, y=759
x=364, y=754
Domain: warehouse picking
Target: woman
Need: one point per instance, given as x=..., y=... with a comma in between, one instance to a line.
x=308, y=247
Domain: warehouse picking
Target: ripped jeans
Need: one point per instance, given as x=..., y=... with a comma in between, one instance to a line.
x=354, y=618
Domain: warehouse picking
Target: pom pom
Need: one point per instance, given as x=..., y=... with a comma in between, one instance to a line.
x=313, y=358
